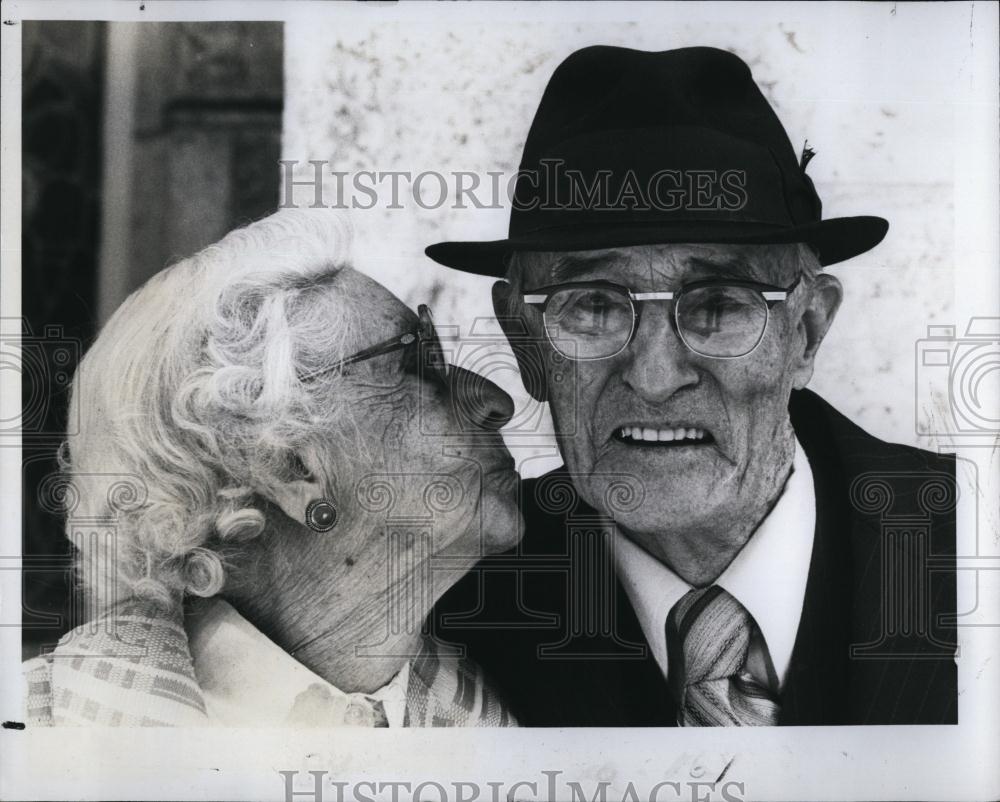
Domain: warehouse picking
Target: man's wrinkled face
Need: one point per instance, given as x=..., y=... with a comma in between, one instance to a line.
x=705, y=438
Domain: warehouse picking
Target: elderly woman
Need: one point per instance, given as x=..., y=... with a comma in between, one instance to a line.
x=308, y=477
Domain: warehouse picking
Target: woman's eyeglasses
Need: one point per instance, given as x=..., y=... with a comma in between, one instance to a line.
x=424, y=337
x=722, y=319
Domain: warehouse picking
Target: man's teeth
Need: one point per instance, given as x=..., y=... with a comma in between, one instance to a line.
x=660, y=435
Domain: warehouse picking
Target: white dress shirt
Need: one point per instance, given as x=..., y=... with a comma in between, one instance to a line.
x=768, y=577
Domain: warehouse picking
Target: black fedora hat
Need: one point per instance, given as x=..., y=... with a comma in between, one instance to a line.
x=635, y=148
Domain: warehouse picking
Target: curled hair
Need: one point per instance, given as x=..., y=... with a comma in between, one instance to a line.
x=192, y=388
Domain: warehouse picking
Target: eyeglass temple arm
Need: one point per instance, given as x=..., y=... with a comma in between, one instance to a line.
x=376, y=350
x=780, y=294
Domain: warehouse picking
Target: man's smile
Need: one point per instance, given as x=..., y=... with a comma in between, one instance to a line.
x=672, y=436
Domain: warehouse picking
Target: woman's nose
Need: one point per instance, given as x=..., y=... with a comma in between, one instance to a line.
x=479, y=403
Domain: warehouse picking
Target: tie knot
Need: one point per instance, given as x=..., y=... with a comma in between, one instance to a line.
x=708, y=634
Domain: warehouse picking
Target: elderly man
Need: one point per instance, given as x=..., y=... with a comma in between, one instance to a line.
x=714, y=551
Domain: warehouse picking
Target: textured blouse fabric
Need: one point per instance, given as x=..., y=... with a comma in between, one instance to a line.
x=134, y=667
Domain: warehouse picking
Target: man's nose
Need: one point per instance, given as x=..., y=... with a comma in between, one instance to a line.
x=478, y=401
x=659, y=364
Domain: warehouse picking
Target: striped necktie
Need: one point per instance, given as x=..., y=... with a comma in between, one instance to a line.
x=708, y=635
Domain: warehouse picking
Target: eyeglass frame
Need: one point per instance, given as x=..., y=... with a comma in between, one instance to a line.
x=424, y=334
x=772, y=295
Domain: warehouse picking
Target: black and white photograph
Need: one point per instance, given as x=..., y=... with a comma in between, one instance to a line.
x=540, y=402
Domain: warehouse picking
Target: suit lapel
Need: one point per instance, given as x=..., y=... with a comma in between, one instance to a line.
x=622, y=682
x=816, y=685
x=900, y=677
x=640, y=682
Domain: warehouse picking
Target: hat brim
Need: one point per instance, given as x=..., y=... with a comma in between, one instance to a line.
x=836, y=240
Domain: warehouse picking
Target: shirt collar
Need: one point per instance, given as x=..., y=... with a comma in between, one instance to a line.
x=768, y=576
x=248, y=680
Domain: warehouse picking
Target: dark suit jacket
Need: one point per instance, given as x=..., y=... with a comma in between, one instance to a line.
x=559, y=639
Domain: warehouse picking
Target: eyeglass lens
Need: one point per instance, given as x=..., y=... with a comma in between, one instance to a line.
x=721, y=320
x=597, y=322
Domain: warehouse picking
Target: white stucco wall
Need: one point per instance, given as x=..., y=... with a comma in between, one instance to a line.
x=871, y=86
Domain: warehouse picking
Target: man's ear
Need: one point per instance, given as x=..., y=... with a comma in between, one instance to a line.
x=304, y=484
x=827, y=293
x=528, y=350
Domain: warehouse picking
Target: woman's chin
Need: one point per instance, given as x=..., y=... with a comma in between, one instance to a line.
x=503, y=524
x=491, y=526
x=497, y=532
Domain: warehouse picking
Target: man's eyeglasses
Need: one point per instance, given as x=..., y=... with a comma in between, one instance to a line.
x=424, y=338
x=717, y=318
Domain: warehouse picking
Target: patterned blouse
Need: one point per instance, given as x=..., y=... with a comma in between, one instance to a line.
x=139, y=665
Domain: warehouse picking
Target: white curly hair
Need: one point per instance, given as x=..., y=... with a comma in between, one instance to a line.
x=192, y=392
